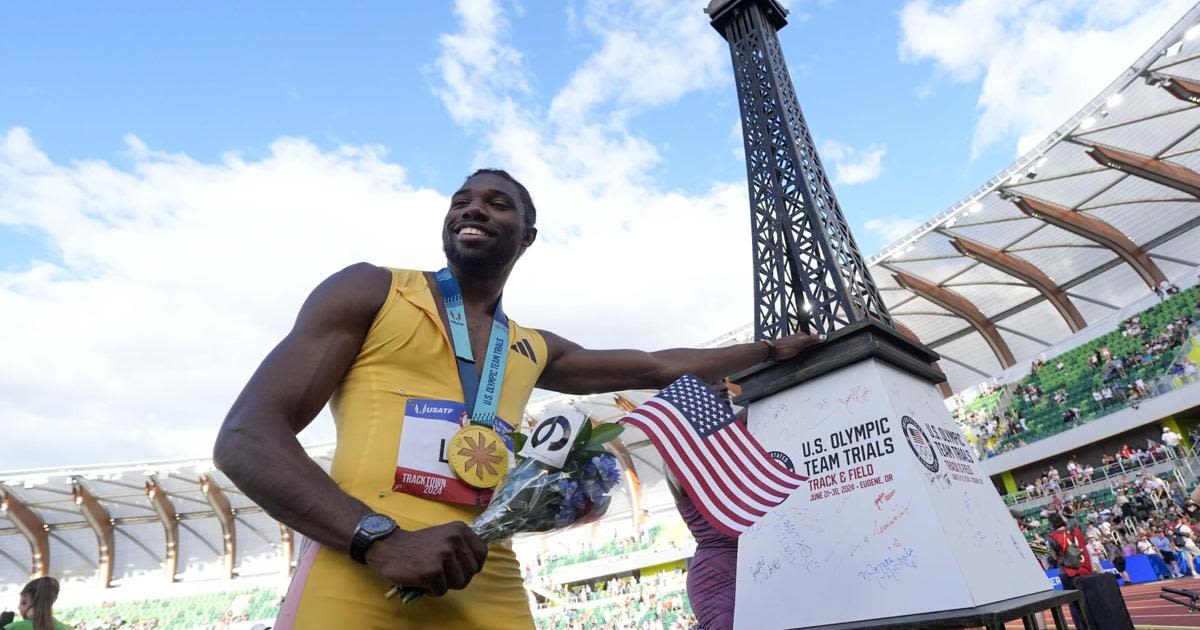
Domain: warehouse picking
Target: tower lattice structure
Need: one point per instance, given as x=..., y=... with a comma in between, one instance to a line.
x=808, y=273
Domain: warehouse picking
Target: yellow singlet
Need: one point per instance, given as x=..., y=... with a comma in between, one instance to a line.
x=392, y=409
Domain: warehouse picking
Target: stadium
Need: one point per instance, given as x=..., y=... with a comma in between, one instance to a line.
x=1061, y=295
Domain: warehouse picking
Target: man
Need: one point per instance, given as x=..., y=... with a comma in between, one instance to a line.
x=1167, y=551
x=385, y=344
x=1171, y=439
x=1068, y=548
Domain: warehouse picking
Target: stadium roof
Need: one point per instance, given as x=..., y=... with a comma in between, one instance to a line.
x=1074, y=230
x=110, y=523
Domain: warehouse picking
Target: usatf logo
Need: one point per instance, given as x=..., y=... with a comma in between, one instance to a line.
x=783, y=459
x=525, y=349
x=920, y=444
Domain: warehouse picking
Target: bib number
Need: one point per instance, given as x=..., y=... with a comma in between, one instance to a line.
x=423, y=462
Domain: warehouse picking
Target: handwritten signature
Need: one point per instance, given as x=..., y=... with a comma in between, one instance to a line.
x=762, y=570
x=879, y=529
x=858, y=396
x=883, y=498
x=890, y=568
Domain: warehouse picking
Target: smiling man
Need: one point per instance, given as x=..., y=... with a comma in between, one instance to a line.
x=410, y=362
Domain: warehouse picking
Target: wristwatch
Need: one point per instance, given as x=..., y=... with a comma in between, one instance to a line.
x=371, y=528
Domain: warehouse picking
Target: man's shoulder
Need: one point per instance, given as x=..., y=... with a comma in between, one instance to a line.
x=360, y=280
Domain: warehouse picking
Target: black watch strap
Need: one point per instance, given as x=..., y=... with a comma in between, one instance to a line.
x=371, y=528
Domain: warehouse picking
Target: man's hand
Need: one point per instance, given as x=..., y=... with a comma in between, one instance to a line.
x=792, y=345
x=435, y=558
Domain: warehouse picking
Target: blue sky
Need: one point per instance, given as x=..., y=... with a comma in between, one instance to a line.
x=219, y=77
x=175, y=179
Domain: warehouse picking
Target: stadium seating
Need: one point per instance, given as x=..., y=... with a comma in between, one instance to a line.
x=656, y=602
x=611, y=549
x=195, y=611
x=1071, y=378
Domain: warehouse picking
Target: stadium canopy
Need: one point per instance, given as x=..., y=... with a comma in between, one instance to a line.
x=1089, y=221
x=110, y=525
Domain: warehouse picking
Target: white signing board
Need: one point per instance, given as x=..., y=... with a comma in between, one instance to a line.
x=897, y=518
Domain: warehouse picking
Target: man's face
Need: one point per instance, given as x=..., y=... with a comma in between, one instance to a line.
x=485, y=229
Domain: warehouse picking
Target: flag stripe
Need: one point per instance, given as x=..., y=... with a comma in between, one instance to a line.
x=770, y=468
x=696, y=458
x=724, y=474
x=748, y=481
x=732, y=471
x=777, y=472
x=729, y=476
x=765, y=484
x=696, y=488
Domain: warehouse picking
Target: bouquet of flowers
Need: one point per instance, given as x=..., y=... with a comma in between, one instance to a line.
x=537, y=497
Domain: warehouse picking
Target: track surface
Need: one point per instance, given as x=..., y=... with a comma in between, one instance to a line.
x=1146, y=608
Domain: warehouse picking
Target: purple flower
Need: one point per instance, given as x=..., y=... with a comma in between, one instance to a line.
x=572, y=504
x=600, y=474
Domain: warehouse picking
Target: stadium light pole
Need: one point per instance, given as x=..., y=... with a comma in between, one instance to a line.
x=917, y=516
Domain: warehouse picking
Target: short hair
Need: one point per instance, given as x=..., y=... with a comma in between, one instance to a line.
x=529, y=211
x=1056, y=520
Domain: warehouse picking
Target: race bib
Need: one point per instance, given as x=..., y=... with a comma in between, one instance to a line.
x=422, y=466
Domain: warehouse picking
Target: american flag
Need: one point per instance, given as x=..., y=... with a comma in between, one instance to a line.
x=728, y=475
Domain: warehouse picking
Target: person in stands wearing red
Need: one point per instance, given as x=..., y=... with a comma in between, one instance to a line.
x=1069, y=550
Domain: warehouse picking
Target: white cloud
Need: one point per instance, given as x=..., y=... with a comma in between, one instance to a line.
x=891, y=229
x=176, y=277
x=173, y=276
x=854, y=166
x=1037, y=61
x=652, y=53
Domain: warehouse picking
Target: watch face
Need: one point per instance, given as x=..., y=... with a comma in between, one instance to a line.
x=377, y=524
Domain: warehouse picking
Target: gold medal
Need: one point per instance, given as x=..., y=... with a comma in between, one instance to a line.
x=478, y=456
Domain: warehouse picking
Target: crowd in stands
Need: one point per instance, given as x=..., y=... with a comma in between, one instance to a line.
x=1140, y=514
x=1144, y=357
x=1051, y=482
x=209, y=610
x=655, y=537
x=657, y=602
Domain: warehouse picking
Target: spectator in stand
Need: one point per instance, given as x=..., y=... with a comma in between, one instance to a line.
x=1184, y=539
x=1171, y=439
x=37, y=606
x=1167, y=551
x=1147, y=548
x=1109, y=397
x=1115, y=554
x=1086, y=475
x=1067, y=549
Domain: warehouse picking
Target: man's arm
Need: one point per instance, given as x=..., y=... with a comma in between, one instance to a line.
x=258, y=450
x=573, y=369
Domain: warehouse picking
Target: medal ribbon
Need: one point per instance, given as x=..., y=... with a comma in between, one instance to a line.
x=480, y=396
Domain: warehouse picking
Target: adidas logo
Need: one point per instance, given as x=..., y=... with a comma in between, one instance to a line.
x=526, y=349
